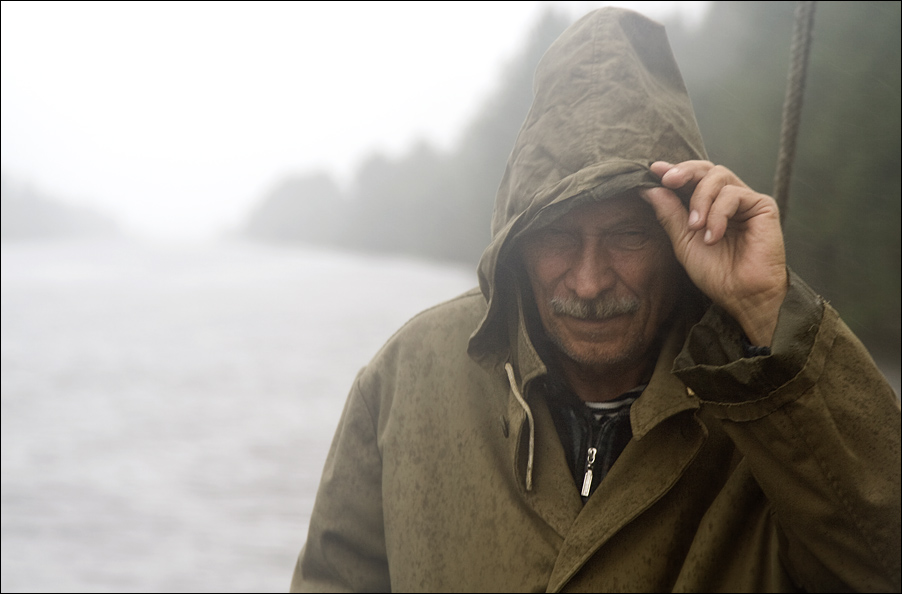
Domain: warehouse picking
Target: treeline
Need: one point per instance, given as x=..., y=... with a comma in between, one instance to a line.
x=843, y=227
x=26, y=213
x=843, y=220
x=430, y=203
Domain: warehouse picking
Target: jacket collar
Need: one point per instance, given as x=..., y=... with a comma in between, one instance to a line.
x=665, y=394
x=524, y=356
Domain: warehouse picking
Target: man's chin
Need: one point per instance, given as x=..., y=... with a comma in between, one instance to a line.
x=598, y=357
x=596, y=332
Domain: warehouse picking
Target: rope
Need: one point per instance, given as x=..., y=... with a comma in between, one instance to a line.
x=532, y=424
x=792, y=106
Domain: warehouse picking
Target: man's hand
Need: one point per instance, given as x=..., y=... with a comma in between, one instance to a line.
x=729, y=241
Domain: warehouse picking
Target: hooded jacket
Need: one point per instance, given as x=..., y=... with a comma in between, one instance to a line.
x=766, y=473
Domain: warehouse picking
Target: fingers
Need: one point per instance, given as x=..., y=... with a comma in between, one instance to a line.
x=687, y=175
x=716, y=194
x=723, y=208
x=669, y=211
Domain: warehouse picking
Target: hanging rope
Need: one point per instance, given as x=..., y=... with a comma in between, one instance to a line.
x=792, y=105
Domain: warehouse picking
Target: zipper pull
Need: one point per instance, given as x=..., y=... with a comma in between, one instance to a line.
x=587, y=480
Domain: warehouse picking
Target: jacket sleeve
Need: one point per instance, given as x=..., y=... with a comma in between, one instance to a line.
x=345, y=548
x=819, y=427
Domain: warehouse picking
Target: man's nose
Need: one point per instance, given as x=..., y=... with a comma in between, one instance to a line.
x=591, y=273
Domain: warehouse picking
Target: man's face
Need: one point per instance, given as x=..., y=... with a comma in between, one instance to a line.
x=605, y=279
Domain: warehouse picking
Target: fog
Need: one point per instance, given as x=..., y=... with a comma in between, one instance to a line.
x=168, y=397
x=170, y=388
x=166, y=411
x=176, y=118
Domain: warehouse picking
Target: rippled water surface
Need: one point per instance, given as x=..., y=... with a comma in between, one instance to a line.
x=166, y=411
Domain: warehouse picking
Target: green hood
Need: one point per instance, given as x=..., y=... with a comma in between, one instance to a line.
x=609, y=100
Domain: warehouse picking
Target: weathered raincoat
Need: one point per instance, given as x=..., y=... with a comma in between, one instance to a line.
x=770, y=473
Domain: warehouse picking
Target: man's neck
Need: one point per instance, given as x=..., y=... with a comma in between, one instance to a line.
x=602, y=384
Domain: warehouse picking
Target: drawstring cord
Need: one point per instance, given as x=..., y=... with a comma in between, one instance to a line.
x=532, y=430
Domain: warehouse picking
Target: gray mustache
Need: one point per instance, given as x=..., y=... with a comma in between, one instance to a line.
x=594, y=309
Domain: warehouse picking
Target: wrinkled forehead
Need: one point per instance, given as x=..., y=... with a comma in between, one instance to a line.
x=622, y=208
x=607, y=214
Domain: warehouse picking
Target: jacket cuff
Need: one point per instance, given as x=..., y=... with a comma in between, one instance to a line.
x=714, y=362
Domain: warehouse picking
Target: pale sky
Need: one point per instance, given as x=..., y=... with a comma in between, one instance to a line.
x=177, y=118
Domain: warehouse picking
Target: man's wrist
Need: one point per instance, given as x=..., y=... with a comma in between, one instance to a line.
x=750, y=350
x=758, y=318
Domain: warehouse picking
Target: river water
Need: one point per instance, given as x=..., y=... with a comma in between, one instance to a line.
x=166, y=411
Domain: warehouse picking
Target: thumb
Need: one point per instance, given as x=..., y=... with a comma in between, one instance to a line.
x=669, y=211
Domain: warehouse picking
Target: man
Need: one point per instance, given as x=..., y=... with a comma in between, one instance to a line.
x=640, y=397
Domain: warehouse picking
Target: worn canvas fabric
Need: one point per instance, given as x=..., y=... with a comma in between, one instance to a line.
x=774, y=473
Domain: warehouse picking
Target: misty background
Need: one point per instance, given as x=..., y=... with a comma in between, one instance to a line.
x=167, y=405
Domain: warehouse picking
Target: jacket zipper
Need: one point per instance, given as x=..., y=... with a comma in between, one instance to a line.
x=594, y=437
x=598, y=441
x=587, y=479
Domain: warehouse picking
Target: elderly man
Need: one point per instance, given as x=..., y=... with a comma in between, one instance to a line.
x=640, y=397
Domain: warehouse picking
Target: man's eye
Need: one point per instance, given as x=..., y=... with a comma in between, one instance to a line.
x=631, y=239
x=556, y=238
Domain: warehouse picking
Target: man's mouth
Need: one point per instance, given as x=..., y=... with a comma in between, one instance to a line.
x=594, y=310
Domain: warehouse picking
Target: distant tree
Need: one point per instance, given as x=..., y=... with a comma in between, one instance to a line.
x=844, y=216
x=425, y=203
x=843, y=226
x=306, y=209
x=28, y=214
x=480, y=159
x=440, y=206
x=843, y=229
x=395, y=206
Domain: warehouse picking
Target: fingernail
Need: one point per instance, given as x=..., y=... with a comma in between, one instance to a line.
x=693, y=217
x=672, y=178
x=708, y=236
